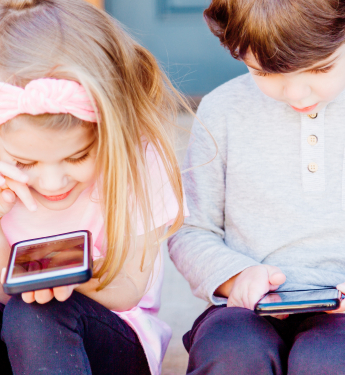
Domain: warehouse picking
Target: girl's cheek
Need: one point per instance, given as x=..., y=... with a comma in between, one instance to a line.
x=84, y=173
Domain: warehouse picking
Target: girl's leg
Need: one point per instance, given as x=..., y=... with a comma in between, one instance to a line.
x=319, y=346
x=78, y=336
x=5, y=366
x=234, y=341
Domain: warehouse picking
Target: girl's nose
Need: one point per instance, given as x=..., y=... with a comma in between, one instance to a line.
x=296, y=91
x=52, y=179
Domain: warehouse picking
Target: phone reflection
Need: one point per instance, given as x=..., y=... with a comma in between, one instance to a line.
x=49, y=256
x=271, y=298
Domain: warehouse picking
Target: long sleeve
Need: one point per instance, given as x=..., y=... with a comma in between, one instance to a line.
x=198, y=248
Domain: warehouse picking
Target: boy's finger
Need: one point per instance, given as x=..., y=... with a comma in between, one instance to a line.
x=23, y=192
x=13, y=172
x=341, y=287
x=277, y=278
x=340, y=310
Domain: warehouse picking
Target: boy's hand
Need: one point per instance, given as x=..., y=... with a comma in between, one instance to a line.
x=341, y=309
x=252, y=283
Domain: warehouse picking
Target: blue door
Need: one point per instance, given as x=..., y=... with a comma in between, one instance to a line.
x=176, y=33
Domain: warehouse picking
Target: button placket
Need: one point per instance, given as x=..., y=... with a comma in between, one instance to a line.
x=312, y=151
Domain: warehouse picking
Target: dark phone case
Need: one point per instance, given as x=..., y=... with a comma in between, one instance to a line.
x=51, y=282
x=297, y=307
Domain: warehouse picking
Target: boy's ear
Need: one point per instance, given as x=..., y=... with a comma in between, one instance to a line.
x=97, y=3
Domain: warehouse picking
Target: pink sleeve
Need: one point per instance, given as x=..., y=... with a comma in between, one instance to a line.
x=163, y=201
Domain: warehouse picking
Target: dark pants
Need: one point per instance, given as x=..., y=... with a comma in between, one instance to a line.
x=78, y=336
x=236, y=341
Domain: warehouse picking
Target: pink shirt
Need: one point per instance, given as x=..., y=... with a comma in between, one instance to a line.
x=20, y=224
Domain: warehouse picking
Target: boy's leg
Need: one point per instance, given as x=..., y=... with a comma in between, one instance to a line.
x=319, y=346
x=78, y=336
x=234, y=341
x=5, y=366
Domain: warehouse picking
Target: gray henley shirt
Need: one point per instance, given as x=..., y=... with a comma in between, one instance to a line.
x=260, y=201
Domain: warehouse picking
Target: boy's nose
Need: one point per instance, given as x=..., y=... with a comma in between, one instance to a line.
x=296, y=91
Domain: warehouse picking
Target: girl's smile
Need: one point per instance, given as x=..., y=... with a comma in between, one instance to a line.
x=55, y=198
x=60, y=164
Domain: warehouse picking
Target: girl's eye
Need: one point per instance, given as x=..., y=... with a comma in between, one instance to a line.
x=321, y=70
x=24, y=166
x=79, y=160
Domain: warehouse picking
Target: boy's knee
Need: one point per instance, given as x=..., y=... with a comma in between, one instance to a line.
x=313, y=356
x=238, y=340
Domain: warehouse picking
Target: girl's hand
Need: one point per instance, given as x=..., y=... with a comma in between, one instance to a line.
x=61, y=293
x=252, y=283
x=13, y=184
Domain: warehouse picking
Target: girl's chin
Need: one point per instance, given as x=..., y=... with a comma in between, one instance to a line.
x=53, y=204
x=56, y=205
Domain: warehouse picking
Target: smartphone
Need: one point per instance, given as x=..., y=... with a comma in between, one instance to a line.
x=299, y=301
x=47, y=262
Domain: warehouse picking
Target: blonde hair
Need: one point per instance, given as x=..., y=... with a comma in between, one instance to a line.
x=74, y=40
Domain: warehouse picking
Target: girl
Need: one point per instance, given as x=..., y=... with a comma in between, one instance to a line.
x=85, y=143
x=271, y=209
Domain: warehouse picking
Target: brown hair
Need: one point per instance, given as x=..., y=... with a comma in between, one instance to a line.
x=74, y=40
x=284, y=35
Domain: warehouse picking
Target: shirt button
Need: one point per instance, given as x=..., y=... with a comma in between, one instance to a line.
x=312, y=167
x=312, y=116
x=312, y=140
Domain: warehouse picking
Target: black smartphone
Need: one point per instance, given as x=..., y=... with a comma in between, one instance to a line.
x=48, y=262
x=299, y=301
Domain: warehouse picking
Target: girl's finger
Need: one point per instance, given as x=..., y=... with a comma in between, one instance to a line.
x=28, y=297
x=62, y=293
x=44, y=295
x=23, y=192
x=13, y=172
x=7, y=201
x=8, y=196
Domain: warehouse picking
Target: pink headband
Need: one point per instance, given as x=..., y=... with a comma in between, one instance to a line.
x=45, y=95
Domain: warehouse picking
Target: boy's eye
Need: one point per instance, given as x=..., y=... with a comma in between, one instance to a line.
x=78, y=160
x=24, y=166
x=261, y=74
x=321, y=70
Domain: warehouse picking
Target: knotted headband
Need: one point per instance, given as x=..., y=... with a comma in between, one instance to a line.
x=45, y=95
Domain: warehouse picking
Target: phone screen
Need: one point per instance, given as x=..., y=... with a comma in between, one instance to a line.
x=300, y=295
x=49, y=256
